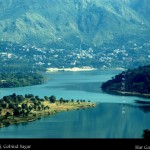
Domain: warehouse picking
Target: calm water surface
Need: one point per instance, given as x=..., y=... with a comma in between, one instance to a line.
x=114, y=116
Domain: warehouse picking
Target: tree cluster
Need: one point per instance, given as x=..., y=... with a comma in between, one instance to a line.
x=137, y=80
x=20, y=106
x=20, y=79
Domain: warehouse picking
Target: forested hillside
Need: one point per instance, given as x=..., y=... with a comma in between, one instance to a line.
x=132, y=81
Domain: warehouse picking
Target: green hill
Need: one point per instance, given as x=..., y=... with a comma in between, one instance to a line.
x=130, y=82
x=68, y=23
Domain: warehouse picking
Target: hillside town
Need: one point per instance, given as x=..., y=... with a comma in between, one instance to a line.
x=106, y=56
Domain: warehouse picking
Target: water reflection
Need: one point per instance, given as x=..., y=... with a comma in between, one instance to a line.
x=146, y=109
x=144, y=105
x=96, y=87
x=103, y=121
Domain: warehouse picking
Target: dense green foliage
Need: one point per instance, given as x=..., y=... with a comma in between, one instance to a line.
x=20, y=105
x=9, y=80
x=136, y=81
x=23, y=105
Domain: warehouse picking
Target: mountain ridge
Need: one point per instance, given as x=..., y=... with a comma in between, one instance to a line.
x=72, y=22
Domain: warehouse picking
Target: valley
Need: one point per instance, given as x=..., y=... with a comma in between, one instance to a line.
x=98, y=50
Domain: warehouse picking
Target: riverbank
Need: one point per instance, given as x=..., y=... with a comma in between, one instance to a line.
x=49, y=109
x=70, y=69
x=129, y=94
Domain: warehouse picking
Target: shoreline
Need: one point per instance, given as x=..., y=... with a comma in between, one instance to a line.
x=70, y=69
x=77, y=69
x=53, y=109
x=128, y=94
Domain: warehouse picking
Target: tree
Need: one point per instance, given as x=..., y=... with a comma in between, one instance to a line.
x=26, y=96
x=37, y=97
x=11, y=105
x=6, y=98
x=61, y=100
x=30, y=96
x=46, y=107
x=4, y=104
x=20, y=98
x=14, y=95
x=33, y=100
x=7, y=114
x=52, y=99
x=46, y=97
x=17, y=111
x=41, y=99
x=24, y=112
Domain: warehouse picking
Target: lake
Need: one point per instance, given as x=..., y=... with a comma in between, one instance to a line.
x=113, y=117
